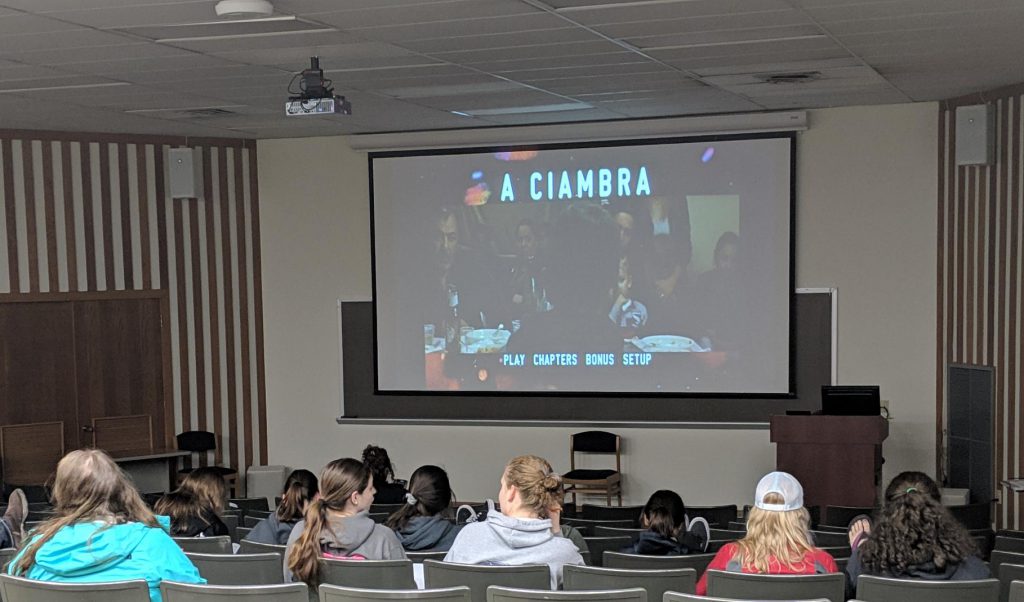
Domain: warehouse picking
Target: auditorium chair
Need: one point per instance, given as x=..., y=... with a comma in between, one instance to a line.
x=633, y=534
x=479, y=577
x=205, y=545
x=368, y=574
x=336, y=593
x=189, y=592
x=717, y=516
x=249, y=503
x=1017, y=591
x=599, y=545
x=6, y=555
x=616, y=513
x=1008, y=573
x=619, y=560
x=752, y=586
x=594, y=481
x=421, y=556
x=655, y=582
x=998, y=557
x=681, y=597
x=254, y=547
x=840, y=516
x=497, y=593
x=200, y=442
x=885, y=589
x=238, y=569
x=19, y=589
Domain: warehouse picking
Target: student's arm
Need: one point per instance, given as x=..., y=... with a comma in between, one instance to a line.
x=167, y=559
x=719, y=563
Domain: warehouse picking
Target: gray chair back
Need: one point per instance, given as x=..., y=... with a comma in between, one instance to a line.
x=1017, y=591
x=681, y=597
x=336, y=593
x=19, y=589
x=884, y=589
x=421, y=556
x=368, y=574
x=479, y=577
x=250, y=503
x=633, y=534
x=243, y=532
x=254, y=547
x=189, y=592
x=655, y=582
x=592, y=523
x=724, y=584
x=618, y=513
x=6, y=555
x=728, y=534
x=599, y=545
x=824, y=539
x=1009, y=544
x=618, y=560
x=999, y=557
x=251, y=521
x=205, y=545
x=497, y=593
x=231, y=522
x=1008, y=573
x=239, y=569
x=837, y=551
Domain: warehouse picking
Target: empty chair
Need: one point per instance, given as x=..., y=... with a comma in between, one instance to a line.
x=421, y=556
x=19, y=589
x=681, y=597
x=231, y=522
x=837, y=551
x=1009, y=544
x=885, y=589
x=250, y=503
x=655, y=582
x=1017, y=591
x=840, y=516
x=1010, y=533
x=735, y=525
x=1008, y=573
x=752, y=586
x=630, y=513
x=6, y=555
x=717, y=516
x=238, y=569
x=618, y=560
x=599, y=545
x=592, y=524
x=506, y=594
x=633, y=534
x=205, y=545
x=200, y=442
x=479, y=577
x=251, y=521
x=998, y=557
x=254, y=547
x=183, y=592
x=257, y=514
x=335, y=593
x=824, y=539
x=369, y=574
x=728, y=534
x=586, y=481
x=243, y=532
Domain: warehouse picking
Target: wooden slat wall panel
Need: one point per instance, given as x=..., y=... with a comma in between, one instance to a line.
x=980, y=258
x=78, y=211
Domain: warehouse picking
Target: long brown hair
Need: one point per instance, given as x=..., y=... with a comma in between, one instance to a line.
x=88, y=487
x=300, y=488
x=202, y=494
x=664, y=513
x=539, y=486
x=914, y=528
x=431, y=493
x=771, y=535
x=339, y=480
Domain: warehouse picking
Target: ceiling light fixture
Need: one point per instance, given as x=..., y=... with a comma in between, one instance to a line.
x=71, y=87
x=247, y=9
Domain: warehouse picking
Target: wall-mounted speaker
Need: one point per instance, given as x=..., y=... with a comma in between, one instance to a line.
x=186, y=173
x=975, y=135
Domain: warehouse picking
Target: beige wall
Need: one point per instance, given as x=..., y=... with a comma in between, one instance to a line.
x=866, y=190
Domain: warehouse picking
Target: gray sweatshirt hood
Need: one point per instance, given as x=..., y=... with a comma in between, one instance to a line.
x=517, y=532
x=347, y=533
x=427, y=532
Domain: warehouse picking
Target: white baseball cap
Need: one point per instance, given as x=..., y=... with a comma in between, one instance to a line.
x=783, y=484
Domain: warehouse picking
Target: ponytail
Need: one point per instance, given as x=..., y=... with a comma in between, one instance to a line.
x=300, y=488
x=429, y=494
x=304, y=556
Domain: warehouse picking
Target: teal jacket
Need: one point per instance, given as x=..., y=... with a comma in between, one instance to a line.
x=95, y=552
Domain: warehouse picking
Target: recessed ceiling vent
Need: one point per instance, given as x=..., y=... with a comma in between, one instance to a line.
x=211, y=112
x=244, y=9
x=799, y=77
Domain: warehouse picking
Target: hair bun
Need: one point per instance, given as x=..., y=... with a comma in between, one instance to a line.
x=551, y=481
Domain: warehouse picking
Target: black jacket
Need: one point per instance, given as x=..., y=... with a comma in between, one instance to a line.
x=204, y=525
x=651, y=543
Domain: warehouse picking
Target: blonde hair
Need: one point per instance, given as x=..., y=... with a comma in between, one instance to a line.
x=338, y=481
x=781, y=538
x=540, y=488
x=88, y=487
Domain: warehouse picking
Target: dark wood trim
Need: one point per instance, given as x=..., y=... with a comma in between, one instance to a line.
x=244, y=325
x=126, y=216
x=940, y=268
x=70, y=236
x=109, y=138
x=29, y=178
x=142, y=182
x=62, y=296
x=107, y=204
x=991, y=285
x=209, y=205
x=50, y=210
x=198, y=331
x=961, y=221
x=1004, y=182
x=183, y=363
x=169, y=441
x=257, y=291
x=10, y=216
x=1013, y=389
x=970, y=241
x=228, y=259
x=88, y=214
x=162, y=198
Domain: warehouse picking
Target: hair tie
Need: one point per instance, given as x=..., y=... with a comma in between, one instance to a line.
x=911, y=490
x=410, y=499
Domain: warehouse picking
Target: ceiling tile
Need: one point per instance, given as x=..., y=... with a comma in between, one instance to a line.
x=391, y=14
x=774, y=18
x=685, y=9
x=500, y=40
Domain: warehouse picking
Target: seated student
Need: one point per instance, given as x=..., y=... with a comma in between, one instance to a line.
x=664, y=517
x=299, y=490
x=337, y=525
x=102, y=531
x=12, y=525
x=196, y=505
x=913, y=537
x=419, y=524
x=526, y=531
x=388, y=492
x=777, y=540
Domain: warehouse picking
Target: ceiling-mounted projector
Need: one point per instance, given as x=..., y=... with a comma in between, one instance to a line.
x=244, y=8
x=315, y=95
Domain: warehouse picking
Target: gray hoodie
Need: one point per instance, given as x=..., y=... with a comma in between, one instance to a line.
x=423, y=533
x=350, y=536
x=505, y=540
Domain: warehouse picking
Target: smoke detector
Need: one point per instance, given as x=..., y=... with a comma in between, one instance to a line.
x=244, y=8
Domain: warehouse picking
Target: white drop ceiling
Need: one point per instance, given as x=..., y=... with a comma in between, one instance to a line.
x=163, y=66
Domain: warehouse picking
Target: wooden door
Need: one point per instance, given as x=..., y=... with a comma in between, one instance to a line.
x=119, y=359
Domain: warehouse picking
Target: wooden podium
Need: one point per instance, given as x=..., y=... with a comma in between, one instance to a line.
x=838, y=459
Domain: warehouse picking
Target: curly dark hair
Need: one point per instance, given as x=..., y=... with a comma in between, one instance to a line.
x=379, y=463
x=914, y=528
